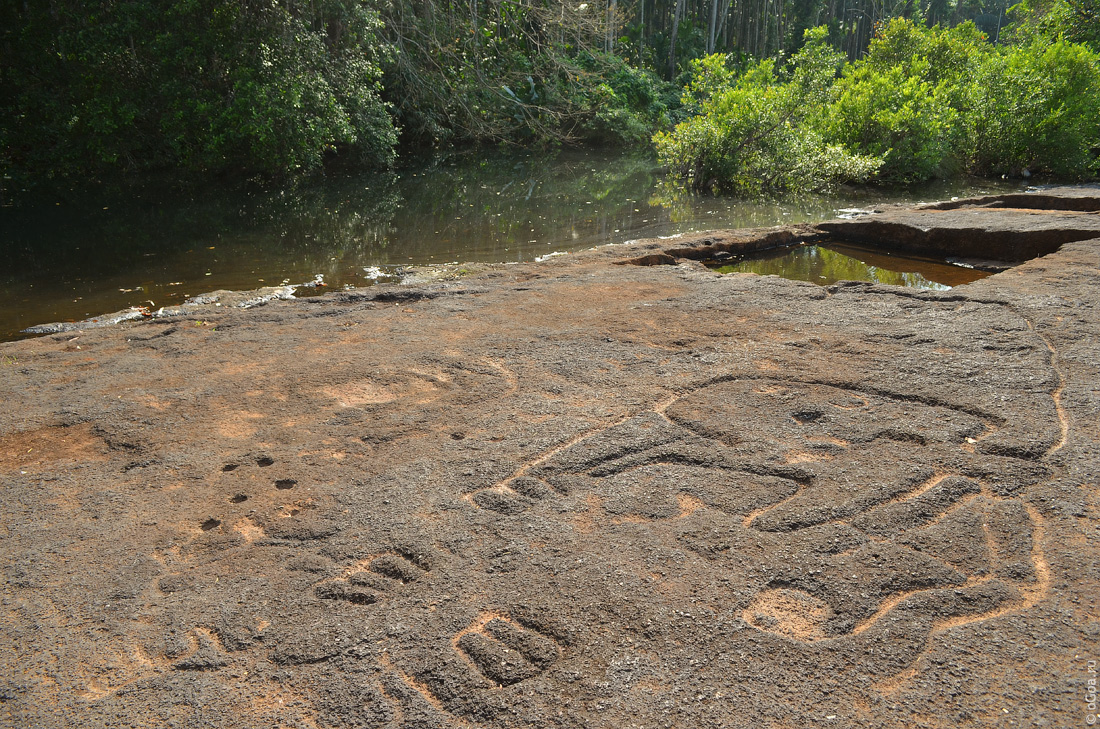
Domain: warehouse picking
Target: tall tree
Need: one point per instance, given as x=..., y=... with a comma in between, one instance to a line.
x=677, y=14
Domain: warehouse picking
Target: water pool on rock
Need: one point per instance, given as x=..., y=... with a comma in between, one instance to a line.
x=828, y=263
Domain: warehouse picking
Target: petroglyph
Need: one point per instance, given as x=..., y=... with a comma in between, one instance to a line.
x=504, y=651
x=374, y=578
x=794, y=457
x=580, y=495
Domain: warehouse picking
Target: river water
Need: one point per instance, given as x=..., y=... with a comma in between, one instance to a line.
x=72, y=255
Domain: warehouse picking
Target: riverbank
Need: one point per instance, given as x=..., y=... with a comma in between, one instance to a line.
x=72, y=255
x=603, y=489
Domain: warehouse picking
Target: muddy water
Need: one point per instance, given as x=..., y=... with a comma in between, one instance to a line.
x=827, y=263
x=80, y=253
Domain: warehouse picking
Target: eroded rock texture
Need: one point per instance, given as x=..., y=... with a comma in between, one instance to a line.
x=567, y=494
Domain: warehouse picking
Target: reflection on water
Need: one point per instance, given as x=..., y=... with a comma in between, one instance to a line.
x=828, y=263
x=84, y=253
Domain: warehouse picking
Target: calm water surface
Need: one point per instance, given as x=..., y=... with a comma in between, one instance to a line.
x=827, y=263
x=79, y=254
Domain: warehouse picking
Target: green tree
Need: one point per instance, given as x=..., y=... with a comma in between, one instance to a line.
x=1037, y=107
x=1077, y=21
x=923, y=103
x=904, y=101
x=753, y=133
x=211, y=85
x=527, y=72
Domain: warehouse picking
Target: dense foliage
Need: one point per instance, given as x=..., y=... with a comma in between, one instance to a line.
x=753, y=131
x=210, y=85
x=770, y=94
x=517, y=72
x=922, y=103
x=1077, y=21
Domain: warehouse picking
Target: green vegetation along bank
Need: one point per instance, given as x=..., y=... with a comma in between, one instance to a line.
x=922, y=103
x=743, y=95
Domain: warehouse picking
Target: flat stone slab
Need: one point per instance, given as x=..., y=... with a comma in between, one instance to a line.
x=1007, y=234
x=564, y=494
x=1081, y=198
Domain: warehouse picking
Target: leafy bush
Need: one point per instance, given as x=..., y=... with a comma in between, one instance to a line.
x=1077, y=21
x=923, y=103
x=751, y=133
x=935, y=55
x=618, y=103
x=898, y=117
x=1037, y=107
x=904, y=102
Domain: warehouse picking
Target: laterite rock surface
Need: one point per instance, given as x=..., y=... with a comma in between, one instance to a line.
x=566, y=494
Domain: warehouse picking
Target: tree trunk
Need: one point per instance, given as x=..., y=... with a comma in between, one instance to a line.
x=611, y=8
x=677, y=13
x=712, y=28
x=778, y=28
x=723, y=25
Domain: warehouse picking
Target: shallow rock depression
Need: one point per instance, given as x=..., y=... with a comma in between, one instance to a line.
x=572, y=494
